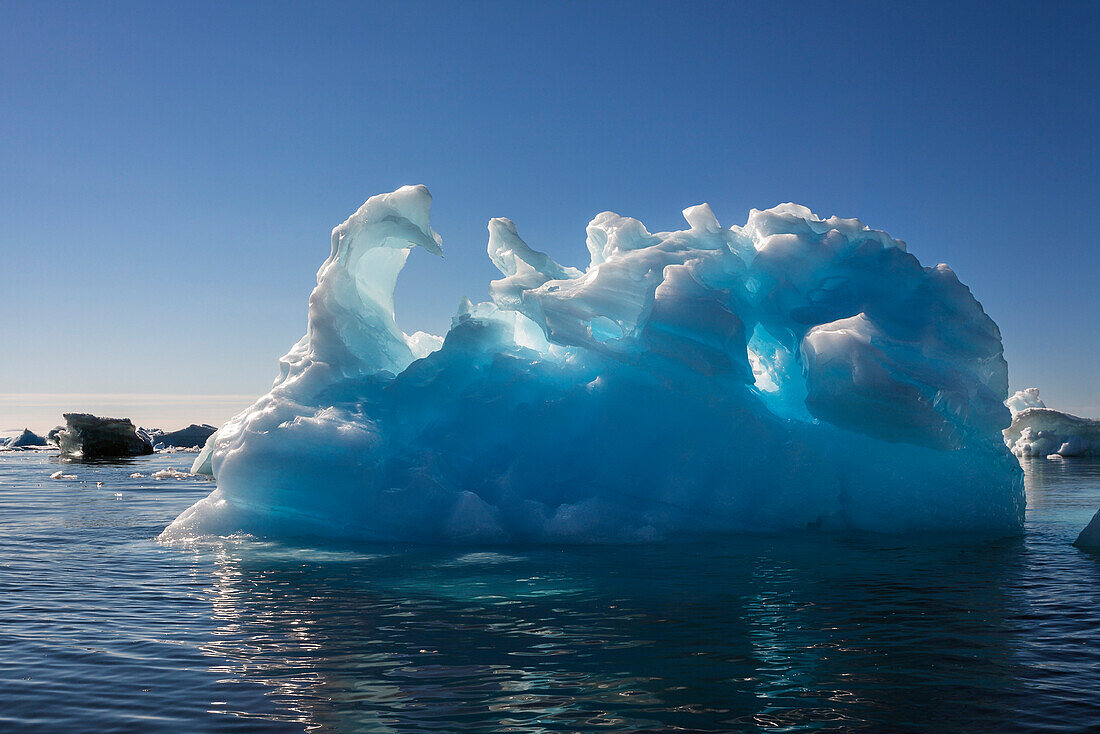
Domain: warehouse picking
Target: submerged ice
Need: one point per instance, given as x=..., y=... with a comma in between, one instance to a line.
x=791, y=373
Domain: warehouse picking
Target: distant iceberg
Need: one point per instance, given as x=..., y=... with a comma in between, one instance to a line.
x=1037, y=430
x=191, y=437
x=792, y=373
x=90, y=437
x=26, y=439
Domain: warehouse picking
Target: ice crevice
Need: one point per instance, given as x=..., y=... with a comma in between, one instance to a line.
x=794, y=372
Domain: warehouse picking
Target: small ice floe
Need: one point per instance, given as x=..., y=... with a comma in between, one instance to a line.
x=162, y=449
x=118, y=495
x=59, y=474
x=137, y=475
x=171, y=473
x=1055, y=457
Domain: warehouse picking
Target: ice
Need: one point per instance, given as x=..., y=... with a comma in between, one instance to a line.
x=793, y=373
x=1037, y=430
x=421, y=344
x=171, y=473
x=162, y=449
x=86, y=436
x=26, y=438
x=59, y=474
x=1090, y=536
x=1024, y=399
x=193, y=436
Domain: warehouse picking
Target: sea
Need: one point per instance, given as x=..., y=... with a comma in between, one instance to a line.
x=103, y=628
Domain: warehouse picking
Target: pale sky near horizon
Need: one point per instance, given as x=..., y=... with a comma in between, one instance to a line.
x=169, y=173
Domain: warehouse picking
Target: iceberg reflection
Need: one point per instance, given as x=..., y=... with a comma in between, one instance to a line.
x=777, y=633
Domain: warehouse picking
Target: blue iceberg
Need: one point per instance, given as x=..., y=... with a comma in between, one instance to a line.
x=792, y=373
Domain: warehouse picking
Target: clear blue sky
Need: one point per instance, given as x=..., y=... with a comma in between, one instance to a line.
x=169, y=173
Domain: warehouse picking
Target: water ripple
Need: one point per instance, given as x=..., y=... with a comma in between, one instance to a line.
x=103, y=629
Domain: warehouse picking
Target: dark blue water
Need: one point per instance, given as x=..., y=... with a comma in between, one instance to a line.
x=103, y=629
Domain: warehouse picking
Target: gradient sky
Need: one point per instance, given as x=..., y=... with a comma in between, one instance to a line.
x=170, y=173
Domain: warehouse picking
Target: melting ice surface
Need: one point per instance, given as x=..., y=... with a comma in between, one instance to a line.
x=792, y=373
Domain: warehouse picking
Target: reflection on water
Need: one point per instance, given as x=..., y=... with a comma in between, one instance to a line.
x=777, y=632
x=796, y=633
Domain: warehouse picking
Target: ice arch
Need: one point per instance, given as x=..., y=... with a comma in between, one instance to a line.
x=791, y=373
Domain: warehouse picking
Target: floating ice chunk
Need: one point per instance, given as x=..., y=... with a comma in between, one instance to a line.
x=191, y=437
x=59, y=474
x=793, y=373
x=1037, y=430
x=26, y=438
x=86, y=436
x=1090, y=536
x=170, y=473
x=137, y=475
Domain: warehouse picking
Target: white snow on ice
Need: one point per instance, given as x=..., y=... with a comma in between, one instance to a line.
x=1037, y=430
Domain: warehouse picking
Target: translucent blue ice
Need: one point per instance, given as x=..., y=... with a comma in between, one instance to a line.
x=792, y=373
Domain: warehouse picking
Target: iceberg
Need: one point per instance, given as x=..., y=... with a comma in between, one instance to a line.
x=89, y=437
x=1037, y=430
x=26, y=439
x=191, y=437
x=1089, y=539
x=171, y=473
x=793, y=373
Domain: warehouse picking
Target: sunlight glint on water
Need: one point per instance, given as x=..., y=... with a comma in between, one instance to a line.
x=100, y=627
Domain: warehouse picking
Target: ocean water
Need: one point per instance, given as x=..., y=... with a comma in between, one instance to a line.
x=104, y=629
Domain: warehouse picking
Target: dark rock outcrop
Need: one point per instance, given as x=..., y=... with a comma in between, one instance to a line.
x=86, y=436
